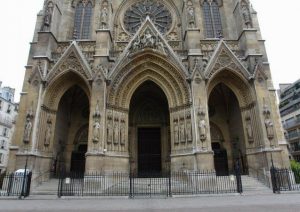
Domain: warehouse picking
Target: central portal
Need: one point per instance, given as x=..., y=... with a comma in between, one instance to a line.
x=149, y=150
x=149, y=130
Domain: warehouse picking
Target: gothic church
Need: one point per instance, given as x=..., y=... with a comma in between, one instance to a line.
x=147, y=86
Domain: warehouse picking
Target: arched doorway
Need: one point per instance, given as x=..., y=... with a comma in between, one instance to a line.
x=227, y=132
x=71, y=131
x=149, y=130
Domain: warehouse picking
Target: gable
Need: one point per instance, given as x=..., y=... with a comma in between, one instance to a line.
x=72, y=60
x=224, y=58
x=148, y=38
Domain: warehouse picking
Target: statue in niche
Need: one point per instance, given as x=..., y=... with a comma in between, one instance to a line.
x=189, y=131
x=246, y=16
x=268, y=122
x=176, y=132
x=249, y=130
x=269, y=127
x=96, y=131
x=27, y=131
x=191, y=17
x=104, y=18
x=109, y=130
x=202, y=128
x=122, y=133
x=47, y=18
x=182, y=131
x=116, y=133
x=48, y=132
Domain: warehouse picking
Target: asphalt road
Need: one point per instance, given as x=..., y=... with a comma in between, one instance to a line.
x=268, y=203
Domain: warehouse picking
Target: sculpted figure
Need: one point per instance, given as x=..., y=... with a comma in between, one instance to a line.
x=246, y=16
x=48, y=133
x=122, y=133
x=148, y=40
x=104, y=18
x=28, y=129
x=269, y=127
x=176, y=132
x=116, y=134
x=96, y=131
x=202, y=129
x=189, y=131
x=191, y=17
x=109, y=131
x=182, y=133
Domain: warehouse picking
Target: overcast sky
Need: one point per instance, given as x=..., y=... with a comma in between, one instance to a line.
x=279, y=21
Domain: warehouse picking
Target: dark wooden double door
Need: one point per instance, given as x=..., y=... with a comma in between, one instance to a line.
x=149, y=151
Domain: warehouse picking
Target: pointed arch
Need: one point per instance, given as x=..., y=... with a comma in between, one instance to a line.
x=153, y=67
x=237, y=83
x=82, y=19
x=58, y=87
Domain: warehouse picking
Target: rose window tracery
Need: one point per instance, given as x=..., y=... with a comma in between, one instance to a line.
x=157, y=12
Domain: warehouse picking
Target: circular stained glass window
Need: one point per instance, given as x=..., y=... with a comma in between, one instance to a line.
x=157, y=12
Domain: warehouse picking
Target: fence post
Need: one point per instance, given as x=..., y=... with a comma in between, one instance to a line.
x=130, y=186
x=28, y=184
x=238, y=177
x=274, y=180
x=170, y=185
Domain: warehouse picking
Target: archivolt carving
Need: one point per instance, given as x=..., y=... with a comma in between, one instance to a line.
x=56, y=90
x=148, y=67
x=240, y=87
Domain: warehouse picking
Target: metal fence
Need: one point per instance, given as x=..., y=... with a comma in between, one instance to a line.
x=148, y=185
x=15, y=184
x=285, y=180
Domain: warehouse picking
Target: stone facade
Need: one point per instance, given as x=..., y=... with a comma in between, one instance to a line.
x=143, y=85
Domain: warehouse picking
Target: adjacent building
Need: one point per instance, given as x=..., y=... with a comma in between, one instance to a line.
x=147, y=86
x=289, y=107
x=8, y=112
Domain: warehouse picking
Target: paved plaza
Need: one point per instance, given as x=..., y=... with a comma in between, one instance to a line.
x=232, y=203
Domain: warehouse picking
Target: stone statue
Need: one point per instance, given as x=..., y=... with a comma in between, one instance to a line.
x=160, y=45
x=269, y=128
x=202, y=130
x=109, y=131
x=176, y=132
x=148, y=39
x=191, y=17
x=104, y=18
x=246, y=16
x=47, y=18
x=182, y=132
x=122, y=133
x=28, y=129
x=189, y=131
x=116, y=134
x=249, y=130
x=96, y=131
x=48, y=133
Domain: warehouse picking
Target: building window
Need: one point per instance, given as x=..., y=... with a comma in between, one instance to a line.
x=5, y=132
x=8, y=109
x=1, y=158
x=83, y=16
x=212, y=18
x=2, y=144
x=0, y=104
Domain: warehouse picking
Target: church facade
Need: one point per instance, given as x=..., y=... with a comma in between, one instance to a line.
x=147, y=86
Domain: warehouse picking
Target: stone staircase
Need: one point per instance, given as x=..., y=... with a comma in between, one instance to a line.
x=252, y=186
x=46, y=188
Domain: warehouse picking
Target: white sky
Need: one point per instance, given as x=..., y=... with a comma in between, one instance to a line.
x=279, y=21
